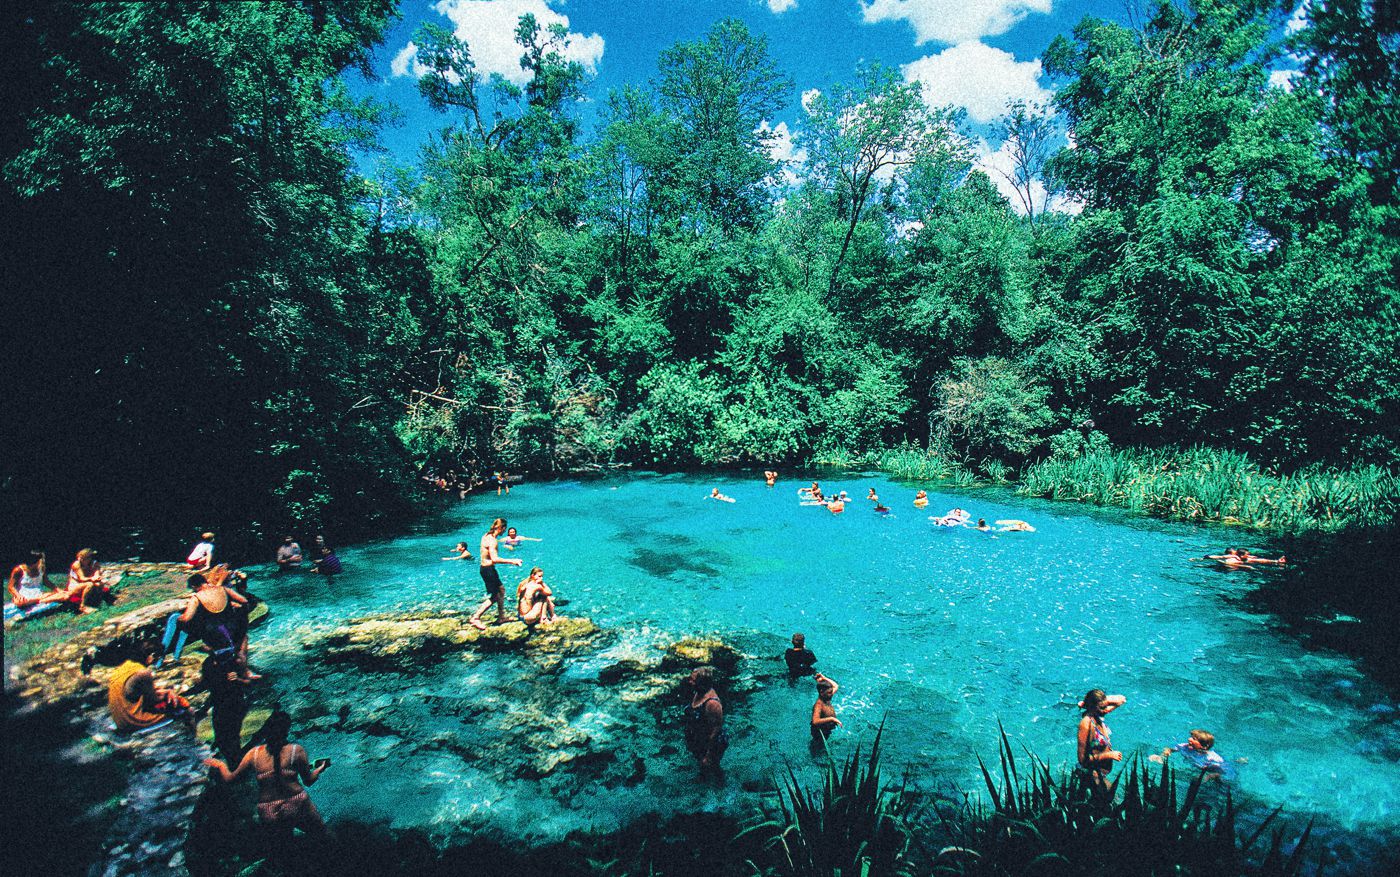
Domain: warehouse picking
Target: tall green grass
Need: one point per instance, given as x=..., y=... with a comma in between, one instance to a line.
x=854, y=824
x=1204, y=484
x=1142, y=823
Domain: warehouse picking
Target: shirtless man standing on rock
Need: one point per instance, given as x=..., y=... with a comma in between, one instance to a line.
x=495, y=591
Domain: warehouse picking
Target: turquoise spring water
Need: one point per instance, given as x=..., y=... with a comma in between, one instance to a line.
x=938, y=633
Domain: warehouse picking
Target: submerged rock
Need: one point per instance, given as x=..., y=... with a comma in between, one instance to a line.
x=408, y=642
x=692, y=652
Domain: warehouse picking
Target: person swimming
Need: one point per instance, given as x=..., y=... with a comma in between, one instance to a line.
x=983, y=525
x=461, y=552
x=921, y=499
x=770, y=477
x=512, y=539
x=1011, y=525
x=1198, y=751
x=715, y=494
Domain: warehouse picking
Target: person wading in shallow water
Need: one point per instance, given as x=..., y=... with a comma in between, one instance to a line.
x=704, y=721
x=495, y=591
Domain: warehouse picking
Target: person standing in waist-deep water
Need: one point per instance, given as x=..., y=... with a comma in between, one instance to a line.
x=824, y=719
x=289, y=555
x=799, y=658
x=704, y=721
x=1096, y=755
x=495, y=591
x=281, y=768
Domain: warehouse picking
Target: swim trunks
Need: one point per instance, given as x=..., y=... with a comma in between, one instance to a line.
x=492, y=579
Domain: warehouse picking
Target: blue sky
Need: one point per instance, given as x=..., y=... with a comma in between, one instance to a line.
x=970, y=53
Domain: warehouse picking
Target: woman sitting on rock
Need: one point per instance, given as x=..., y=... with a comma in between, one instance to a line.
x=283, y=803
x=133, y=699
x=536, y=600
x=86, y=584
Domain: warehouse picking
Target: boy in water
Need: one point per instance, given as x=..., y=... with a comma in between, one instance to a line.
x=1198, y=750
x=799, y=658
x=824, y=719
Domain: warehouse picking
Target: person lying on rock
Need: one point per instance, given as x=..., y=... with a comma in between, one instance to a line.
x=134, y=700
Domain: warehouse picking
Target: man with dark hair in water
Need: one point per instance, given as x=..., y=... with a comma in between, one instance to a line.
x=495, y=591
x=799, y=658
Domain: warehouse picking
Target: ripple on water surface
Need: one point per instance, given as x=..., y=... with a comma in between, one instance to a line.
x=939, y=633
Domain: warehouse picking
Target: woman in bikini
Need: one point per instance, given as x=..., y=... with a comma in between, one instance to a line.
x=86, y=584
x=1095, y=753
x=281, y=768
x=535, y=601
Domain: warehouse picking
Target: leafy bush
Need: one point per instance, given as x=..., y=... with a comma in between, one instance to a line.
x=989, y=409
x=854, y=824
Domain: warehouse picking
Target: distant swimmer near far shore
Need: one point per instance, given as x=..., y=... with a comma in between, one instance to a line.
x=715, y=494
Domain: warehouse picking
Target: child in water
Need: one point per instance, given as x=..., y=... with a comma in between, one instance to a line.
x=824, y=719
x=1198, y=751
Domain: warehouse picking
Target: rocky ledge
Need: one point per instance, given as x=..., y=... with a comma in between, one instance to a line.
x=165, y=776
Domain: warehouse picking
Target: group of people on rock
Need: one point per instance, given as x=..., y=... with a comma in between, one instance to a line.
x=87, y=586
x=217, y=612
x=452, y=481
x=534, y=600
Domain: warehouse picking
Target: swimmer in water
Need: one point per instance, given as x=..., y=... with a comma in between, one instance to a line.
x=983, y=525
x=1198, y=751
x=1012, y=525
x=921, y=499
x=462, y=553
x=513, y=539
x=1239, y=558
x=836, y=506
x=715, y=494
x=770, y=477
x=871, y=496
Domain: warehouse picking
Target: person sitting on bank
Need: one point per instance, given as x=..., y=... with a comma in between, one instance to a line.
x=202, y=555
x=134, y=701
x=289, y=555
x=824, y=719
x=87, y=586
x=799, y=658
x=29, y=583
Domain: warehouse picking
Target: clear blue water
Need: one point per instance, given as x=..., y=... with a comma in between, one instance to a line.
x=938, y=633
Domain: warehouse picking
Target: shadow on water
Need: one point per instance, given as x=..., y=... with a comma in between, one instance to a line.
x=65, y=798
x=1340, y=593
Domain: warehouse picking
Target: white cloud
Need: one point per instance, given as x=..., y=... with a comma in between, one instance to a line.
x=488, y=29
x=406, y=63
x=998, y=164
x=808, y=96
x=1299, y=19
x=953, y=21
x=1283, y=79
x=778, y=7
x=978, y=77
x=782, y=149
